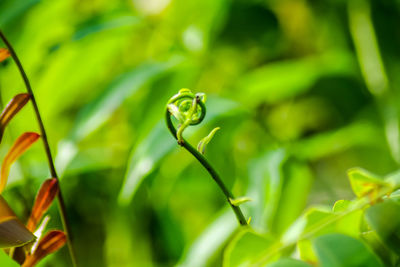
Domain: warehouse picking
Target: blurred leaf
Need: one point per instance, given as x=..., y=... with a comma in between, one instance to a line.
x=12, y=232
x=296, y=186
x=281, y=80
x=341, y=205
x=19, y=147
x=6, y=261
x=246, y=248
x=108, y=24
x=12, y=108
x=386, y=255
x=210, y=241
x=338, y=140
x=288, y=263
x=14, y=11
x=47, y=192
x=4, y=54
x=51, y=242
x=265, y=187
x=100, y=109
x=364, y=183
x=341, y=250
x=144, y=158
x=385, y=220
x=319, y=222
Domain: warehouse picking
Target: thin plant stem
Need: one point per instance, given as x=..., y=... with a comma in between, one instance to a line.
x=53, y=172
x=206, y=164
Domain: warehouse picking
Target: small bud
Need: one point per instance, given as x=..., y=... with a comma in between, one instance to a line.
x=201, y=147
x=238, y=201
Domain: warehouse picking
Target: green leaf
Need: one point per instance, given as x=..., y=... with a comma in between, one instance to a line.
x=341, y=205
x=385, y=220
x=296, y=185
x=320, y=222
x=101, y=108
x=239, y=200
x=337, y=250
x=6, y=261
x=291, y=77
x=288, y=263
x=210, y=241
x=8, y=14
x=332, y=142
x=365, y=183
x=246, y=248
x=265, y=187
x=201, y=147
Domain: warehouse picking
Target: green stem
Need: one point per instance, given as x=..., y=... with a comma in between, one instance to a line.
x=238, y=212
x=61, y=203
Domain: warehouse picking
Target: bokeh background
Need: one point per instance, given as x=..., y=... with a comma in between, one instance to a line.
x=303, y=90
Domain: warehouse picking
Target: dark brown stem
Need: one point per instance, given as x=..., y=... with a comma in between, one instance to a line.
x=61, y=204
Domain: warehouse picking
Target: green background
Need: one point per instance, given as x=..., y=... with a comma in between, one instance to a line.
x=302, y=90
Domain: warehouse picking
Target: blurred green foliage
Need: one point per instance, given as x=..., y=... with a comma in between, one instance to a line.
x=303, y=90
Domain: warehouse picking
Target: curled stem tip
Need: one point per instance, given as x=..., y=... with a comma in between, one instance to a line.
x=190, y=109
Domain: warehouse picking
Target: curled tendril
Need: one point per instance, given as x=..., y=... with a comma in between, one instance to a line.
x=188, y=109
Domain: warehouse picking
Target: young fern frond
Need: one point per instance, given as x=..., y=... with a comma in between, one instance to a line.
x=190, y=109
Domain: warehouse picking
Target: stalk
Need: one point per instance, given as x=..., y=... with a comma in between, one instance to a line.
x=203, y=161
x=53, y=172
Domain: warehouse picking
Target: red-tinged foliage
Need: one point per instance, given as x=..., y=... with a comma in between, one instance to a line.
x=4, y=54
x=51, y=242
x=47, y=192
x=12, y=108
x=19, y=147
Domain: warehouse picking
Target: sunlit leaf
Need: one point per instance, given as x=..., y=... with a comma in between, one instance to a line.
x=19, y=147
x=337, y=250
x=210, y=241
x=12, y=232
x=51, y=242
x=4, y=54
x=365, y=183
x=320, y=222
x=247, y=248
x=98, y=111
x=12, y=108
x=47, y=192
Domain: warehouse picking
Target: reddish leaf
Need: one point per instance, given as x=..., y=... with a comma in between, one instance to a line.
x=20, y=146
x=4, y=54
x=51, y=242
x=11, y=109
x=12, y=232
x=47, y=192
